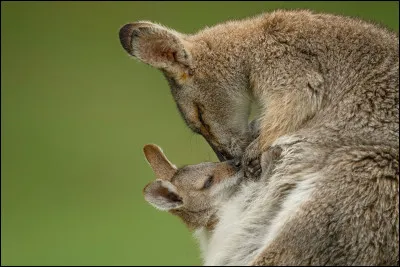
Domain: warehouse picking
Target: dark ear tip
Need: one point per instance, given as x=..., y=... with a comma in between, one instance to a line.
x=146, y=147
x=150, y=147
x=125, y=36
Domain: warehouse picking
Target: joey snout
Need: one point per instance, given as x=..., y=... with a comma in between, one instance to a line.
x=227, y=169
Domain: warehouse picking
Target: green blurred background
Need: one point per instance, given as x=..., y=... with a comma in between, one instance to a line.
x=76, y=111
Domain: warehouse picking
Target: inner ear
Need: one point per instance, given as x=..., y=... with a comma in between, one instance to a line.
x=162, y=167
x=156, y=45
x=163, y=195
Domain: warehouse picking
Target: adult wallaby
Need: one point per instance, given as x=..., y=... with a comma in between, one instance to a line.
x=307, y=71
x=328, y=88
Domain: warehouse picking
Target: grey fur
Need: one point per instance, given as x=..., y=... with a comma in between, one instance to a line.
x=328, y=88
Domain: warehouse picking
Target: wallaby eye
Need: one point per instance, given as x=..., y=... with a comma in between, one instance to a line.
x=208, y=182
x=205, y=128
x=200, y=115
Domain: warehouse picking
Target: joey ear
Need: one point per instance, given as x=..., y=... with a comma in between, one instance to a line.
x=162, y=167
x=156, y=45
x=162, y=195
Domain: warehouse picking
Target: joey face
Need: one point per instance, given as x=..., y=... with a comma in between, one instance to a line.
x=198, y=184
x=191, y=192
x=210, y=91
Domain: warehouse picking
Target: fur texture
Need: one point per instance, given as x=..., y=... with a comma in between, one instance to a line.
x=329, y=90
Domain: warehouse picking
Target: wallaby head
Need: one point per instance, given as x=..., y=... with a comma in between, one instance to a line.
x=207, y=83
x=191, y=192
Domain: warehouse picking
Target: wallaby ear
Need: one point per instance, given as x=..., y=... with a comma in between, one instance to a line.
x=162, y=167
x=162, y=195
x=156, y=45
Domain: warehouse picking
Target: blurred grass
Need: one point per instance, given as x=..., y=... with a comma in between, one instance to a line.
x=75, y=114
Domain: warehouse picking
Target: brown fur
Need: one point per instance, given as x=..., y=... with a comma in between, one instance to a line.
x=196, y=206
x=328, y=87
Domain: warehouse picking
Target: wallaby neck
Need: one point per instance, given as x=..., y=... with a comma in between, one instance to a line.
x=203, y=236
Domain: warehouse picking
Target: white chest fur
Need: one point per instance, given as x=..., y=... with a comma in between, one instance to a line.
x=244, y=231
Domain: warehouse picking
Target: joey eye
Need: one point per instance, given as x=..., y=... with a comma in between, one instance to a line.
x=208, y=182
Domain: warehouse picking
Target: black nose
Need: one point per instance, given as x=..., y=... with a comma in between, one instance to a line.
x=125, y=36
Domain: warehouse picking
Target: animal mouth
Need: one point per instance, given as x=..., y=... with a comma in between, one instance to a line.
x=221, y=154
